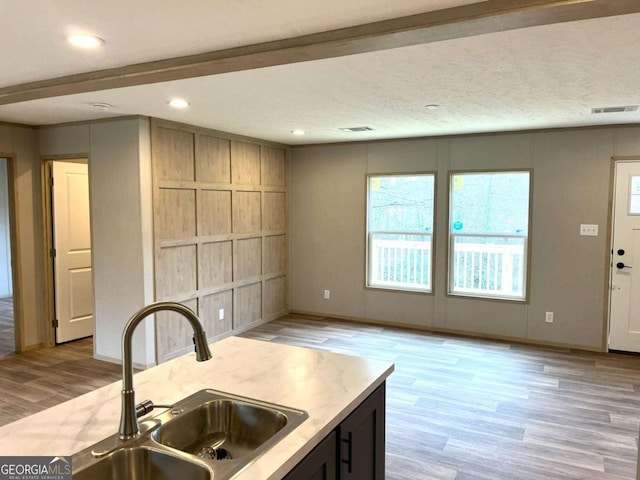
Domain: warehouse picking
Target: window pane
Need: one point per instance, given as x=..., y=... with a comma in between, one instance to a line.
x=401, y=203
x=400, y=261
x=488, y=232
x=490, y=203
x=634, y=197
x=489, y=266
x=399, y=231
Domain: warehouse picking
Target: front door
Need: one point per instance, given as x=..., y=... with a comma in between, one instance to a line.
x=624, y=318
x=72, y=251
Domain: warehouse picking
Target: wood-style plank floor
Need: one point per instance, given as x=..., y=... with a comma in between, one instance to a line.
x=457, y=408
x=470, y=409
x=39, y=379
x=7, y=335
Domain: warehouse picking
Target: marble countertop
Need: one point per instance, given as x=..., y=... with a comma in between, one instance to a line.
x=327, y=385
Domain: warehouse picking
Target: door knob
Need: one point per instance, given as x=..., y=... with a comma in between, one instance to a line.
x=621, y=265
x=621, y=252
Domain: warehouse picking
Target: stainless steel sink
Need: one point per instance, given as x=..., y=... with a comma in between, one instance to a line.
x=143, y=463
x=215, y=434
x=235, y=426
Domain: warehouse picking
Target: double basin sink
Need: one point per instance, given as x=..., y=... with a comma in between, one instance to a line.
x=208, y=435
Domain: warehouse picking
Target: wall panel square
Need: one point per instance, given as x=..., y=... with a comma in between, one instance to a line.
x=275, y=211
x=245, y=163
x=275, y=292
x=275, y=254
x=176, y=214
x=214, y=212
x=274, y=167
x=173, y=332
x=247, y=305
x=176, y=271
x=248, y=259
x=210, y=306
x=216, y=264
x=173, y=155
x=213, y=160
x=246, y=212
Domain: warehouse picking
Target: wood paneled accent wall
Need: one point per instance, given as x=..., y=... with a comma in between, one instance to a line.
x=220, y=231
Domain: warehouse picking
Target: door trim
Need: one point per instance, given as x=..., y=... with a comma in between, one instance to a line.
x=608, y=253
x=49, y=280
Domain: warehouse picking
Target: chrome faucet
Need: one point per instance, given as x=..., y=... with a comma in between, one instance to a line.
x=129, y=426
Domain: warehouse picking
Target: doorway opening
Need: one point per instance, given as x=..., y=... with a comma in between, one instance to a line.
x=624, y=282
x=69, y=265
x=8, y=330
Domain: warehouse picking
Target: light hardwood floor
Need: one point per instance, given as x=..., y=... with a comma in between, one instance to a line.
x=7, y=335
x=457, y=408
x=39, y=379
x=469, y=409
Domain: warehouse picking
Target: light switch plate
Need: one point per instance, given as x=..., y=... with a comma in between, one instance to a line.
x=587, y=230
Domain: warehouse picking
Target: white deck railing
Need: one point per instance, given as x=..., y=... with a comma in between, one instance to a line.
x=486, y=269
x=400, y=263
x=489, y=269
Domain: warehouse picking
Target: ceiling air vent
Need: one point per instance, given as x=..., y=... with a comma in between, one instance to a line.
x=628, y=108
x=357, y=129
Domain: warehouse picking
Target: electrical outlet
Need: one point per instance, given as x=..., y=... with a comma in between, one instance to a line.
x=327, y=294
x=588, y=230
x=548, y=317
x=221, y=314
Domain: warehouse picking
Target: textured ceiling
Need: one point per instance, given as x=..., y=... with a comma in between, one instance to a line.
x=540, y=77
x=145, y=30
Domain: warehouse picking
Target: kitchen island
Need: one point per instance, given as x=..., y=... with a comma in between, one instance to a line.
x=328, y=386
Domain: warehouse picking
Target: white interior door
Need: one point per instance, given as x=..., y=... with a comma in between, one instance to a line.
x=72, y=246
x=624, y=318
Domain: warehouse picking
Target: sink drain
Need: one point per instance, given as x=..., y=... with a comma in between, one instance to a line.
x=210, y=453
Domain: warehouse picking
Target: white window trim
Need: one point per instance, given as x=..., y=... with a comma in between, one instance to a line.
x=369, y=283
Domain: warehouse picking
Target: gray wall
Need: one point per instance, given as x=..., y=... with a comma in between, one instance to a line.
x=571, y=173
x=122, y=243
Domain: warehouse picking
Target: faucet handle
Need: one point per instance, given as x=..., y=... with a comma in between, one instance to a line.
x=144, y=407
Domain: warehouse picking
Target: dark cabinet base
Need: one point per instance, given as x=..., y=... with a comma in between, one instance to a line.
x=354, y=450
x=362, y=440
x=320, y=464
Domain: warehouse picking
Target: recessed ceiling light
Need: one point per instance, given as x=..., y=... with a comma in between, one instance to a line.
x=178, y=103
x=85, y=41
x=431, y=106
x=298, y=132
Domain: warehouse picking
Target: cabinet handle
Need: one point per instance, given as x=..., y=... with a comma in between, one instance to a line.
x=349, y=447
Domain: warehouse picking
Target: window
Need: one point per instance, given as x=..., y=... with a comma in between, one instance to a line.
x=634, y=197
x=400, y=231
x=488, y=234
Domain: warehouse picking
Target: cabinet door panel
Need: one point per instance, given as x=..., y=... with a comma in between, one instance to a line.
x=362, y=440
x=320, y=464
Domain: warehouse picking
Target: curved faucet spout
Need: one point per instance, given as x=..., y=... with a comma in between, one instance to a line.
x=129, y=426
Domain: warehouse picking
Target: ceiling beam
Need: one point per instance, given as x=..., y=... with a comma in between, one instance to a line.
x=464, y=21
